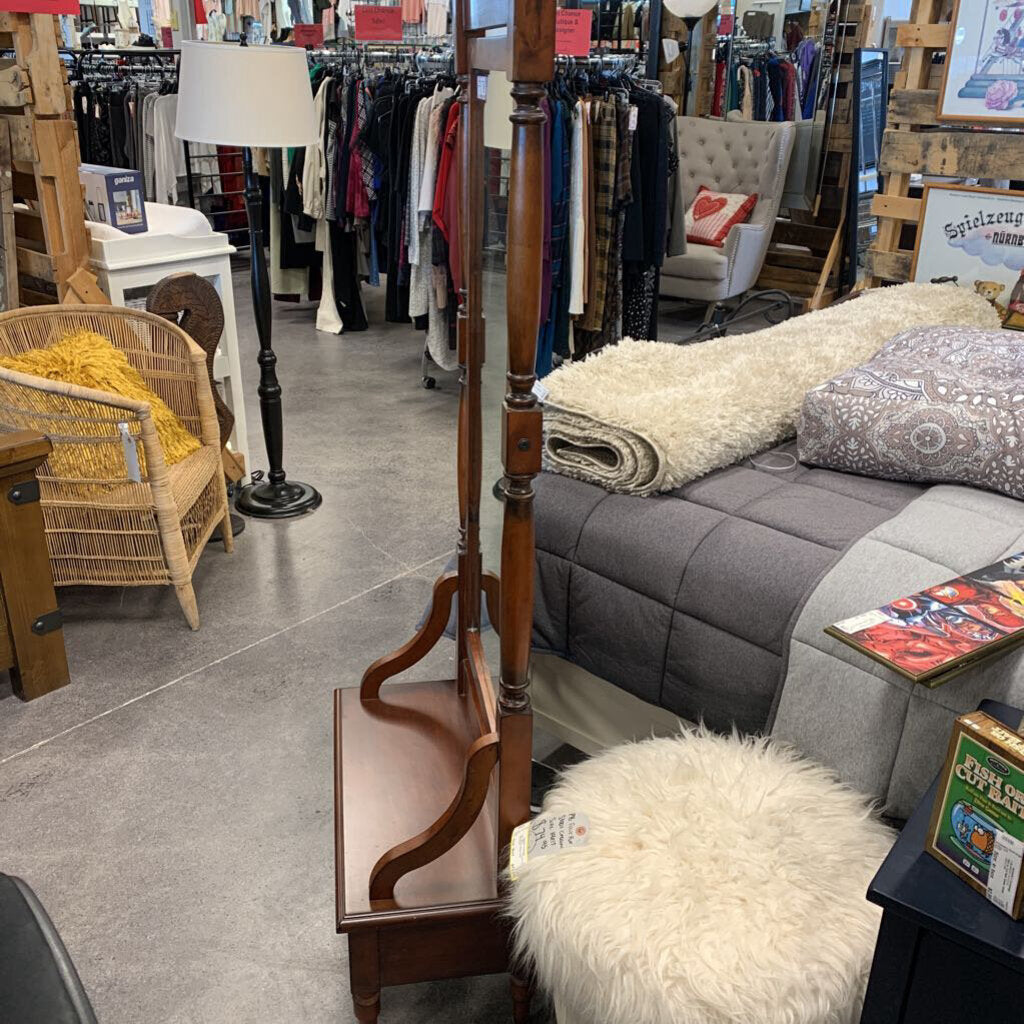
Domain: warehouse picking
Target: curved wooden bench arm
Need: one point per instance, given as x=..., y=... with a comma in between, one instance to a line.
x=423, y=640
x=450, y=827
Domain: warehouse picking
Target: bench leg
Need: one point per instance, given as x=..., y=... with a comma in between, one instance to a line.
x=364, y=974
x=522, y=994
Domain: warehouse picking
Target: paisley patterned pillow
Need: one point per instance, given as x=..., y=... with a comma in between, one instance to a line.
x=936, y=404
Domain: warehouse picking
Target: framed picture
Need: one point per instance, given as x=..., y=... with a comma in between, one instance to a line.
x=983, y=80
x=975, y=235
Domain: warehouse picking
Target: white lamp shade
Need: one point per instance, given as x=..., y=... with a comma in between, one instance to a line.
x=690, y=8
x=234, y=95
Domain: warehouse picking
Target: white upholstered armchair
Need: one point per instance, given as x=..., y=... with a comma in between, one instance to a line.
x=728, y=156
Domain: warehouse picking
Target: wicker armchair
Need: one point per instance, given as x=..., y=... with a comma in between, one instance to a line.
x=107, y=529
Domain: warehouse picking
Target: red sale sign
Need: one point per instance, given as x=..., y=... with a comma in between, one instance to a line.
x=572, y=32
x=308, y=35
x=40, y=6
x=378, y=23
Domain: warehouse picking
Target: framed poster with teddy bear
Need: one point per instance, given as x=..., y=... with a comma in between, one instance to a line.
x=975, y=235
x=983, y=81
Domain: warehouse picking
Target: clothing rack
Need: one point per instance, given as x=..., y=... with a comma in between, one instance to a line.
x=130, y=59
x=746, y=47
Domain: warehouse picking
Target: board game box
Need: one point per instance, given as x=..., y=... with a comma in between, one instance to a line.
x=977, y=823
x=933, y=635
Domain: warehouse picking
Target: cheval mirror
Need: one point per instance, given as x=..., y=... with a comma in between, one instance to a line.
x=870, y=98
x=811, y=36
x=431, y=778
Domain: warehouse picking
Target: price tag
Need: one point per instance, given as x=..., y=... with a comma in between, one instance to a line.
x=670, y=47
x=550, y=834
x=572, y=32
x=859, y=622
x=1004, y=872
x=481, y=87
x=308, y=35
x=634, y=114
x=131, y=453
x=379, y=23
x=540, y=391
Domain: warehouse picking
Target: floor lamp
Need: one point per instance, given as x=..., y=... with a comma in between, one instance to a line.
x=253, y=96
x=691, y=11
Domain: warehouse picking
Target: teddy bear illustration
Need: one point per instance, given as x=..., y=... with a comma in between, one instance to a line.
x=991, y=290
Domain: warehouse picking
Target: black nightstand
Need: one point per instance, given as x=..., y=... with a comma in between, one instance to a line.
x=944, y=952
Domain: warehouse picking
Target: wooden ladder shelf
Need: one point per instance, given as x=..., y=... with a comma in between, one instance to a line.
x=44, y=249
x=431, y=778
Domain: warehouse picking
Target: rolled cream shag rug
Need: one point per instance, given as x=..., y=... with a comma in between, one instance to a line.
x=644, y=417
x=723, y=882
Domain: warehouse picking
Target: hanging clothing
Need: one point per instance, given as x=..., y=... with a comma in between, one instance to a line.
x=577, y=222
x=437, y=18
x=412, y=11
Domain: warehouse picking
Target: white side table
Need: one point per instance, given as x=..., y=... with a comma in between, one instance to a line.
x=178, y=239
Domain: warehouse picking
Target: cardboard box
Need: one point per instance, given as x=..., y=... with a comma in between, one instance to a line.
x=977, y=824
x=114, y=196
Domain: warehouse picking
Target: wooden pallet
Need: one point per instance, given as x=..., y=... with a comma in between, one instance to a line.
x=704, y=64
x=44, y=249
x=915, y=142
x=805, y=257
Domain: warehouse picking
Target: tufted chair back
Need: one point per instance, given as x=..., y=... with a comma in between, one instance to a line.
x=735, y=156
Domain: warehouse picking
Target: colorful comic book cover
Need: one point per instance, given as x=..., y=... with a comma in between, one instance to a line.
x=942, y=629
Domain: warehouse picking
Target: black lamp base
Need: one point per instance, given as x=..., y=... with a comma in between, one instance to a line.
x=264, y=500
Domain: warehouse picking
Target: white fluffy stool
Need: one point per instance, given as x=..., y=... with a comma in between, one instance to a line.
x=723, y=883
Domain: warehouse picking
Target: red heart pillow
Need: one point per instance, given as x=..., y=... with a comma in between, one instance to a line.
x=712, y=214
x=706, y=205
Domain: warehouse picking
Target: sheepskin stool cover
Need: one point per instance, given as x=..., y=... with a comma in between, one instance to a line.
x=723, y=882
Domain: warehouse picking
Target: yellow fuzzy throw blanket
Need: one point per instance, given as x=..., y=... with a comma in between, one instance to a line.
x=89, y=360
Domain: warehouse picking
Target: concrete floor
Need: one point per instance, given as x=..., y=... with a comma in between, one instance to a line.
x=173, y=806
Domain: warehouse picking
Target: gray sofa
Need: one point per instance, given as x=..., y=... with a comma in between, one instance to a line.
x=728, y=156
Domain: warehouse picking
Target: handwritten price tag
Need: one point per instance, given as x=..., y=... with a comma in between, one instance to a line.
x=572, y=32
x=378, y=23
x=308, y=35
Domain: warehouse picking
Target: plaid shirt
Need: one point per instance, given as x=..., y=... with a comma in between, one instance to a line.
x=604, y=136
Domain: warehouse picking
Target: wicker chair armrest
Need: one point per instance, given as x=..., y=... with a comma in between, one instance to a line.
x=139, y=410
x=210, y=425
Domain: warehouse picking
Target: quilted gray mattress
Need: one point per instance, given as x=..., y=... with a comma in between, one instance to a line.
x=687, y=600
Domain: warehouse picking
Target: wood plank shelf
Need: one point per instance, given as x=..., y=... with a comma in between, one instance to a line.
x=402, y=759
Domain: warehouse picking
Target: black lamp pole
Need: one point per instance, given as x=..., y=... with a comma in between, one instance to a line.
x=275, y=497
x=691, y=23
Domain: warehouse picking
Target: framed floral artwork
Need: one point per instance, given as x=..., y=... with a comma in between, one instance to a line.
x=983, y=80
x=975, y=236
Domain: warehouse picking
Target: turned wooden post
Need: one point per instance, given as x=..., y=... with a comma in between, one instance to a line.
x=31, y=635
x=521, y=452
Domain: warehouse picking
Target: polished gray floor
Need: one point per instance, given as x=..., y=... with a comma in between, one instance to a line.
x=173, y=805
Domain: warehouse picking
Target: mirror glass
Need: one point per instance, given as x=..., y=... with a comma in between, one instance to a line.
x=870, y=98
x=779, y=65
